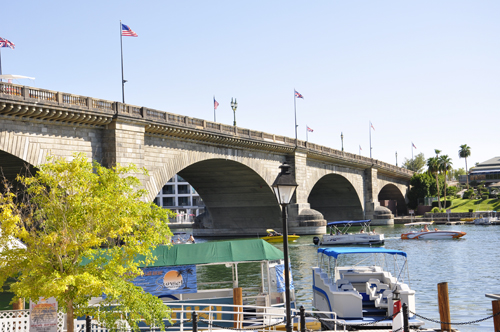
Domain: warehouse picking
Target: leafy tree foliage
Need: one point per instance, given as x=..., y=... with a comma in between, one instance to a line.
x=433, y=167
x=416, y=164
x=445, y=166
x=73, y=209
x=420, y=187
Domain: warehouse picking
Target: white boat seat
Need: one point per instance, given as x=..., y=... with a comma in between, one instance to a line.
x=384, y=300
x=374, y=288
x=346, y=287
x=341, y=282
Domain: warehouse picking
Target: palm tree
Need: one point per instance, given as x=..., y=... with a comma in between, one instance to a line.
x=433, y=168
x=445, y=166
x=464, y=152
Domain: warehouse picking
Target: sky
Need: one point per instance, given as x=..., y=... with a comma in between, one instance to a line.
x=425, y=73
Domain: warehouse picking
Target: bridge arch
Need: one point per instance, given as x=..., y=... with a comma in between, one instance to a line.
x=336, y=198
x=391, y=197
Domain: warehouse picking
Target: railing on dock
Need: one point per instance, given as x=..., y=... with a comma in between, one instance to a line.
x=212, y=317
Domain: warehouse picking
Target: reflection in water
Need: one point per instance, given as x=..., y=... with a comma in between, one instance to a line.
x=469, y=265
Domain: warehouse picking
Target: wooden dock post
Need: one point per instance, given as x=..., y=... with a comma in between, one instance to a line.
x=237, y=300
x=444, y=306
x=496, y=310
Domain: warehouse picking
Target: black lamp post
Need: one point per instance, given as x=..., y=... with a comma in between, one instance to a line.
x=284, y=187
x=396, y=158
x=342, y=140
x=234, y=106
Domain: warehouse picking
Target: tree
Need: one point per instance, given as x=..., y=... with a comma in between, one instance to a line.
x=456, y=173
x=416, y=164
x=420, y=187
x=464, y=152
x=445, y=165
x=73, y=209
x=433, y=168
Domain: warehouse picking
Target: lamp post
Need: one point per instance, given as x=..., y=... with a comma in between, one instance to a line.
x=342, y=140
x=396, y=158
x=234, y=106
x=284, y=187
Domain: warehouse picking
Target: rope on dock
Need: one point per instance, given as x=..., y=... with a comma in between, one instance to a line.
x=451, y=323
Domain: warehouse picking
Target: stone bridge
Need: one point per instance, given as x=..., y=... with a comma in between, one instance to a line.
x=231, y=168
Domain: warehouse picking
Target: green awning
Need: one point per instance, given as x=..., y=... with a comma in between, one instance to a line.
x=216, y=252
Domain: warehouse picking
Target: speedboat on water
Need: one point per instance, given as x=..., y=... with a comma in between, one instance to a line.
x=275, y=237
x=339, y=234
x=361, y=295
x=419, y=233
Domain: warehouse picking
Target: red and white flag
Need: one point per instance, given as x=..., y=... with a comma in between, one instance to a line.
x=413, y=145
x=309, y=129
x=126, y=31
x=372, y=126
x=216, y=104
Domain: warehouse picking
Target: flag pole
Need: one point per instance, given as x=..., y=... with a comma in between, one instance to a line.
x=121, y=48
x=295, y=113
x=0, y=63
x=214, y=110
x=411, y=150
x=307, y=134
x=370, y=130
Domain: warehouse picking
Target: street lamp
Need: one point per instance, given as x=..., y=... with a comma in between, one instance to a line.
x=284, y=187
x=342, y=139
x=234, y=106
x=396, y=158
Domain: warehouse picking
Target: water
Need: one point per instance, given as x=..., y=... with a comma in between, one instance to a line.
x=469, y=265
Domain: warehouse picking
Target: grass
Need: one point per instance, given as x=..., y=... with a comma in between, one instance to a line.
x=463, y=205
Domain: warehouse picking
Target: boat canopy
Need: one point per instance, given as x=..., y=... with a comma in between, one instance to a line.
x=335, y=252
x=348, y=222
x=216, y=252
x=420, y=223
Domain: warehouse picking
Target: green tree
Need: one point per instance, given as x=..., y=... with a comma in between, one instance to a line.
x=464, y=152
x=420, y=187
x=445, y=166
x=74, y=208
x=456, y=173
x=433, y=168
x=416, y=164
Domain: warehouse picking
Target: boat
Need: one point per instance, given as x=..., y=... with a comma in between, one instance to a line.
x=361, y=295
x=339, y=234
x=204, y=277
x=486, y=218
x=182, y=238
x=275, y=237
x=419, y=233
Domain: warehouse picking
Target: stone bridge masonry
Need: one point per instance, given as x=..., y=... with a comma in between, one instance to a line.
x=231, y=168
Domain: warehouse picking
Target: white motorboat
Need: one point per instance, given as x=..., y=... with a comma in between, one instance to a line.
x=486, y=218
x=419, y=233
x=339, y=234
x=361, y=295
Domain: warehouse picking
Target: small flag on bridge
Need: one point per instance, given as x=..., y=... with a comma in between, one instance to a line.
x=309, y=129
x=372, y=126
x=5, y=43
x=413, y=145
x=126, y=31
x=298, y=95
x=216, y=104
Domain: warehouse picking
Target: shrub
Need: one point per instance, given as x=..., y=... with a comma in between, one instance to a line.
x=469, y=194
x=448, y=204
x=484, y=196
x=435, y=209
x=493, y=195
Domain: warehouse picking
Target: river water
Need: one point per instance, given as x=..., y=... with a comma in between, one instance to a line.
x=469, y=265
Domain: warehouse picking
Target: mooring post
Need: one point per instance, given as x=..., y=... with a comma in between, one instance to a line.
x=302, y=319
x=444, y=306
x=496, y=311
x=88, y=324
x=195, y=321
x=237, y=300
x=406, y=323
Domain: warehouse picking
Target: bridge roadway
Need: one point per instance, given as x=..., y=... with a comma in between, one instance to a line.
x=231, y=168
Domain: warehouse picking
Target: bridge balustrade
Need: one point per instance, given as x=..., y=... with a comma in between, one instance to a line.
x=75, y=103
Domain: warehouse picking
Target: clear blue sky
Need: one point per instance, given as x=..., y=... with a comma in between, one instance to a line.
x=425, y=72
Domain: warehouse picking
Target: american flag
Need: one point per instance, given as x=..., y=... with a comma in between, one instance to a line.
x=360, y=147
x=298, y=95
x=413, y=145
x=309, y=129
x=216, y=104
x=5, y=43
x=126, y=31
x=372, y=126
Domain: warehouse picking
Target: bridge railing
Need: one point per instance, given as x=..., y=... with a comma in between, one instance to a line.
x=43, y=97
